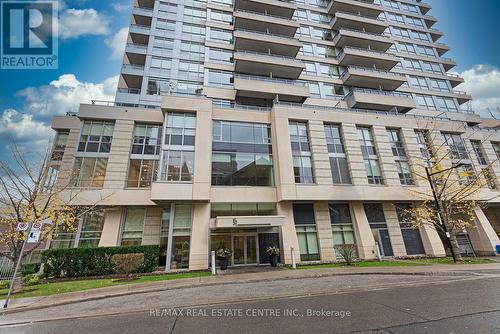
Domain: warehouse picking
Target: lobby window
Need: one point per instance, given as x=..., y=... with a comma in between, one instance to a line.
x=400, y=157
x=59, y=145
x=457, y=146
x=241, y=154
x=340, y=218
x=133, y=226
x=142, y=173
x=483, y=163
x=89, y=172
x=370, y=158
x=91, y=230
x=305, y=225
x=96, y=137
x=336, y=153
x=147, y=139
x=176, y=235
x=242, y=209
x=178, y=151
x=301, y=152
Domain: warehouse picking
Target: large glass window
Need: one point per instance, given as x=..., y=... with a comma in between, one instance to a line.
x=142, y=173
x=133, y=226
x=301, y=152
x=336, y=152
x=305, y=225
x=91, y=230
x=411, y=236
x=178, y=154
x=372, y=167
x=96, y=137
x=400, y=157
x=89, y=172
x=457, y=146
x=483, y=163
x=242, y=154
x=424, y=144
x=59, y=145
x=147, y=139
x=340, y=218
x=220, y=55
x=220, y=35
x=181, y=237
x=220, y=78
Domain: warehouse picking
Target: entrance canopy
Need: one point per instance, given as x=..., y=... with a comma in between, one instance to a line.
x=246, y=221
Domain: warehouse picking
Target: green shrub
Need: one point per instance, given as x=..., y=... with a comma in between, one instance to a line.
x=32, y=279
x=4, y=285
x=127, y=263
x=30, y=268
x=78, y=262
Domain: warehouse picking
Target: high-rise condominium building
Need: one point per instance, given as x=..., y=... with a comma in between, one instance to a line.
x=252, y=123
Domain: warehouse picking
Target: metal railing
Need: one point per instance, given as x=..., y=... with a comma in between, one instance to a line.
x=264, y=14
x=6, y=269
x=232, y=105
x=367, y=69
x=359, y=15
x=268, y=55
x=139, y=46
x=378, y=92
x=122, y=104
x=268, y=79
x=260, y=33
x=129, y=90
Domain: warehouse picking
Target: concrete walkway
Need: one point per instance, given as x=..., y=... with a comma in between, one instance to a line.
x=234, y=277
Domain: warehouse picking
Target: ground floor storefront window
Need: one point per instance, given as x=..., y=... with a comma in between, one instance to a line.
x=175, y=237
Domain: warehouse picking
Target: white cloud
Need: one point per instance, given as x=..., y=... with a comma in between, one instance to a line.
x=20, y=127
x=483, y=82
x=121, y=7
x=74, y=23
x=65, y=94
x=117, y=43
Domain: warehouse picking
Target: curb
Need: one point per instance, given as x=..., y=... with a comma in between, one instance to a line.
x=201, y=284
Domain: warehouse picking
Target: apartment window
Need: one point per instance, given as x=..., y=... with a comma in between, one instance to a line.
x=342, y=229
x=193, y=29
x=333, y=91
x=390, y=4
x=191, y=70
x=400, y=32
x=336, y=153
x=192, y=49
x=440, y=85
x=242, y=209
x=496, y=148
x=425, y=102
x=147, y=138
x=326, y=52
x=220, y=35
x=411, y=236
x=51, y=178
x=310, y=68
x=302, y=163
x=425, y=51
x=178, y=153
x=419, y=82
x=414, y=21
x=314, y=89
x=408, y=48
x=91, y=231
x=400, y=157
x=419, y=35
x=161, y=63
x=220, y=16
x=89, y=172
x=483, y=163
x=96, y=137
x=446, y=103
x=457, y=146
x=220, y=78
x=409, y=8
x=194, y=12
x=395, y=18
x=412, y=64
x=220, y=55
x=227, y=3
x=242, y=154
x=372, y=167
x=141, y=173
x=133, y=226
x=165, y=24
x=168, y=7
x=163, y=43
x=424, y=144
x=307, y=49
x=305, y=225
x=59, y=145
x=329, y=70
x=432, y=67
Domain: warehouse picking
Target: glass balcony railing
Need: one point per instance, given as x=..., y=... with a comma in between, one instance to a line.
x=273, y=80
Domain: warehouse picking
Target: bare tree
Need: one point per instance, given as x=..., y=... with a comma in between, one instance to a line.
x=456, y=185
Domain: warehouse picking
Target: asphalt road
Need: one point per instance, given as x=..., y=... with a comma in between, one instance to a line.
x=433, y=305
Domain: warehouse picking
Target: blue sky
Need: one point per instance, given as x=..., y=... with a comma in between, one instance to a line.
x=91, y=42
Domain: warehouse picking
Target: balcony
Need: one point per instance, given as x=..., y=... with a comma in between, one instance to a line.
x=258, y=21
x=358, y=22
x=435, y=34
x=136, y=48
x=355, y=6
x=267, y=88
x=360, y=39
x=373, y=99
x=264, y=64
x=144, y=11
x=140, y=29
x=370, y=78
x=132, y=69
x=454, y=79
x=266, y=43
x=441, y=48
x=367, y=58
x=284, y=8
x=462, y=97
x=429, y=20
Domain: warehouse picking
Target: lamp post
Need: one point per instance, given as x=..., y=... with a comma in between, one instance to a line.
x=438, y=202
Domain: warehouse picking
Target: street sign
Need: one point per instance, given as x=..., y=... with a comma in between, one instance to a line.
x=34, y=236
x=36, y=227
x=22, y=226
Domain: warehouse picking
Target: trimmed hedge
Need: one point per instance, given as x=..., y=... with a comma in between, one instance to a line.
x=30, y=268
x=81, y=262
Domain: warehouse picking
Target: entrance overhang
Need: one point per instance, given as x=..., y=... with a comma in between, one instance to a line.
x=247, y=221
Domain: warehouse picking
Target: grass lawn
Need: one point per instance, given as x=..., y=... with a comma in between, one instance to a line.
x=47, y=289
x=363, y=264
x=449, y=260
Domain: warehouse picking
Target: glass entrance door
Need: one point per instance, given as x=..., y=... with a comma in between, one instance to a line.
x=244, y=249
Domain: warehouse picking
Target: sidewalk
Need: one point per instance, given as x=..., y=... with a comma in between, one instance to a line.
x=23, y=304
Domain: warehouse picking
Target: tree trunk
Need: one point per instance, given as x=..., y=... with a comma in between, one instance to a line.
x=454, y=245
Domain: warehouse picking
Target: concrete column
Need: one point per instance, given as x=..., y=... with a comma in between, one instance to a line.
x=288, y=233
x=282, y=155
x=432, y=242
x=152, y=222
x=391, y=217
x=203, y=153
x=320, y=158
x=64, y=177
x=354, y=155
x=112, y=227
x=364, y=236
x=482, y=235
x=386, y=158
x=324, y=228
x=199, y=248
x=119, y=156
